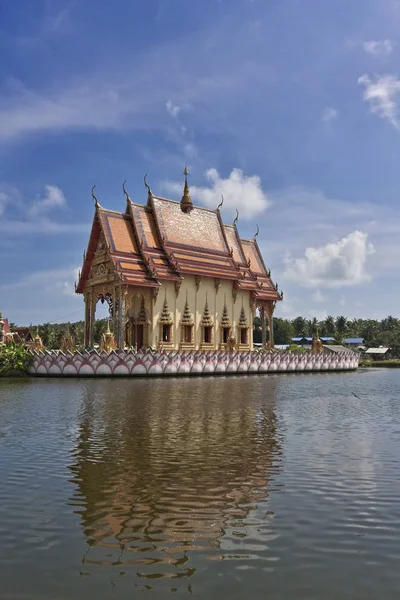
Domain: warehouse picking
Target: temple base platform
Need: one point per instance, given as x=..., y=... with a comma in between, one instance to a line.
x=127, y=363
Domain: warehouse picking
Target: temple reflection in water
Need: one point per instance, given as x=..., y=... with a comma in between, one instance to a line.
x=164, y=468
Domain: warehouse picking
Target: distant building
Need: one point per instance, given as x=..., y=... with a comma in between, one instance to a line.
x=23, y=335
x=5, y=333
x=19, y=335
x=377, y=353
x=335, y=348
x=354, y=342
x=307, y=341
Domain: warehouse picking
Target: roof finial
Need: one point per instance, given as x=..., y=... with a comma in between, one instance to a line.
x=96, y=202
x=149, y=194
x=125, y=192
x=220, y=205
x=256, y=234
x=186, y=201
x=236, y=218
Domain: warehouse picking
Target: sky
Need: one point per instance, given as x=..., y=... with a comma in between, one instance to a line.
x=288, y=108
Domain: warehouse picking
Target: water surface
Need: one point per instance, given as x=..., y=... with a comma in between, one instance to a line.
x=279, y=486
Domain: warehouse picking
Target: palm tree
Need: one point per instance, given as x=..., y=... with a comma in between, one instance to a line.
x=330, y=326
x=341, y=327
x=299, y=326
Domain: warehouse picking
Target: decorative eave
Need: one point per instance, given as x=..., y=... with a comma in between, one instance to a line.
x=91, y=249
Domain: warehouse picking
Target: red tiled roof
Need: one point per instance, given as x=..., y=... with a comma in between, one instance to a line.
x=148, y=244
x=123, y=249
x=234, y=244
x=194, y=241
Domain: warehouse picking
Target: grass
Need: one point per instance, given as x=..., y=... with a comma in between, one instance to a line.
x=393, y=363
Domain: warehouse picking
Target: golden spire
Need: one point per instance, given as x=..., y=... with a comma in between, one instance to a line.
x=166, y=317
x=187, y=317
x=186, y=201
x=207, y=320
x=142, y=317
x=242, y=319
x=225, y=321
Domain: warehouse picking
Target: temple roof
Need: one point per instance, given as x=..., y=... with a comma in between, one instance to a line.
x=159, y=241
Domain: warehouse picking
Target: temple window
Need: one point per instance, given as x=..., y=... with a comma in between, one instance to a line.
x=166, y=333
x=207, y=324
x=243, y=337
x=187, y=325
x=207, y=335
x=166, y=323
x=225, y=335
x=187, y=334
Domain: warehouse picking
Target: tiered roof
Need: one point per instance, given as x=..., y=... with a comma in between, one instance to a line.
x=166, y=240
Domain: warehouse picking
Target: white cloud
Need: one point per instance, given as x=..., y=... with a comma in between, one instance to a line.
x=59, y=281
x=3, y=202
x=379, y=47
x=329, y=114
x=173, y=109
x=318, y=297
x=337, y=264
x=381, y=93
x=240, y=191
x=51, y=297
x=53, y=198
x=21, y=216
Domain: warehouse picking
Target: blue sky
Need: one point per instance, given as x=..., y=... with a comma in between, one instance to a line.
x=287, y=107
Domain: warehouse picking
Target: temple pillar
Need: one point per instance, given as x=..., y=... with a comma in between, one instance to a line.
x=121, y=320
x=88, y=317
x=92, y=318
x=86, y=326
x=270, y=311
x=263, y=327
x=114, y=314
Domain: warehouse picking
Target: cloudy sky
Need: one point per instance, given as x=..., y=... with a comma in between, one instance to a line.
x=289, y=108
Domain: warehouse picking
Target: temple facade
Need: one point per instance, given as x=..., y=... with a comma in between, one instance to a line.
x=175, y=277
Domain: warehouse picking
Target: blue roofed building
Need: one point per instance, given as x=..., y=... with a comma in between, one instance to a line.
x=354, y=342
x=307, y=341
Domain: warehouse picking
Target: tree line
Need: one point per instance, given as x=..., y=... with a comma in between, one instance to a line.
x=375, y=333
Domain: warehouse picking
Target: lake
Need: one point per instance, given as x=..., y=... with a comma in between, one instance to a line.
x=264, y=486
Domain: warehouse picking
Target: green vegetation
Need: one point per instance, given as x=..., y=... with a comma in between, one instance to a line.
x=14, y=360
x=375, y=333
x=296, y=348
x=392, y=363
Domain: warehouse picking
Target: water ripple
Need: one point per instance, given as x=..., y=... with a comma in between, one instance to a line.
x=228, y=486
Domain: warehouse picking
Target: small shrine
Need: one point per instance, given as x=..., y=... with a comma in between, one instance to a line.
x=107, y=342
x=317, y=346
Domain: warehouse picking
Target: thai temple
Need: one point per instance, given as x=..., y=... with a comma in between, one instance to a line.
x=175, y=277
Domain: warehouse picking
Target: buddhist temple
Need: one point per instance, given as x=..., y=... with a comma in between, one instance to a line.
x=175, y=277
